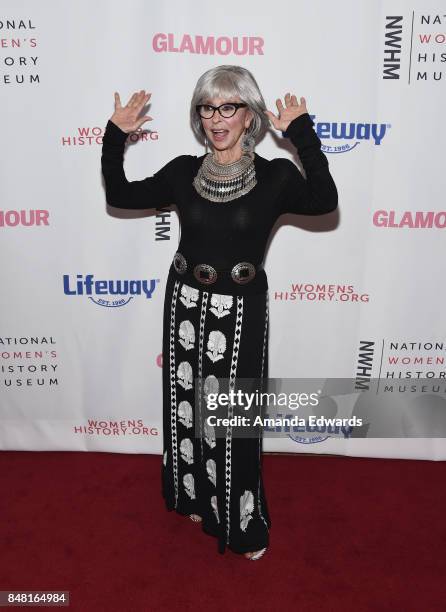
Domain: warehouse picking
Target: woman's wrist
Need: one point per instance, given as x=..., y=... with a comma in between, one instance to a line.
x=113, y=133
x=298, y=124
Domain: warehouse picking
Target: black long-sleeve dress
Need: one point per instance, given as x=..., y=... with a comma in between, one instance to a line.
x=218, y=331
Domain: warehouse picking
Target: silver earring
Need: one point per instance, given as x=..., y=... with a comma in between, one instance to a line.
x=206, y=143
x=248, y=142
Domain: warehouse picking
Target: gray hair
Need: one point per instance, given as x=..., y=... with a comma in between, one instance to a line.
x=227, y=81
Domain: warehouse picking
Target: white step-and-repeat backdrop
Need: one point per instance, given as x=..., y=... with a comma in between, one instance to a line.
x=355, y=294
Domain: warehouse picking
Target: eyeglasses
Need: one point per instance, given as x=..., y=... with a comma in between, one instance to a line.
x=226, y=110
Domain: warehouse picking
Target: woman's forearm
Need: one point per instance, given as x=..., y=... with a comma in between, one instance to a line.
x=150, y=192
x=317, y=194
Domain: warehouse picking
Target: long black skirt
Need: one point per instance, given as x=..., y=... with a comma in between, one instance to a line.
x=219, y=478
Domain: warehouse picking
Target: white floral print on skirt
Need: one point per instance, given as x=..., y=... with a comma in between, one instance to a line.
x=209, y=336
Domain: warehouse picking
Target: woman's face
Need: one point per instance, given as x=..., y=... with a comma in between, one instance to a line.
x=226, y=134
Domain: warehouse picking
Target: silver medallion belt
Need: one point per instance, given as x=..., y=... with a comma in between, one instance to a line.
x=241, y=273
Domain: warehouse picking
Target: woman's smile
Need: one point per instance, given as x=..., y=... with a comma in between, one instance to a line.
x=219, y=135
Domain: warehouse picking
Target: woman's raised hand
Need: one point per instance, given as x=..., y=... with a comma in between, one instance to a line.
x=127, y=117
x=291, y=110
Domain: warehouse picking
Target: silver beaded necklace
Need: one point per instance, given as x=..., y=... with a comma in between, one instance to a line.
x=225, y=182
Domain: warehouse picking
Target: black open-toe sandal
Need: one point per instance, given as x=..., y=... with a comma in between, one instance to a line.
x=257, y=555
x=195, y=518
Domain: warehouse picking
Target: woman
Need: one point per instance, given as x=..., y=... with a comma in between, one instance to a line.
x=215, y=323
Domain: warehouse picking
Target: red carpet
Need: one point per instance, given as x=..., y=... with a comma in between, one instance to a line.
x=348, y=534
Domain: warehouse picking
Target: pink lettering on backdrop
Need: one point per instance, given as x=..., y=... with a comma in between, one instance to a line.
x=93, y=136
x=27, y=218
x=410, y=219
x=207, y=45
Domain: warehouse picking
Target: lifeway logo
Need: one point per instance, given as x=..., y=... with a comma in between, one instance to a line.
x=311, y=434
x=108, y=293
x=355, y=133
